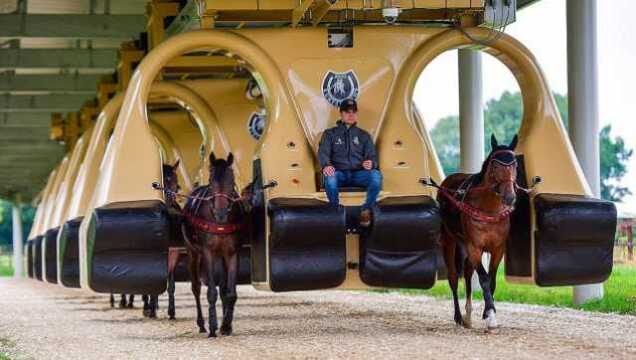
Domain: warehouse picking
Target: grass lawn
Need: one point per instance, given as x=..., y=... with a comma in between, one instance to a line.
x=6, y=269
x=620, y=293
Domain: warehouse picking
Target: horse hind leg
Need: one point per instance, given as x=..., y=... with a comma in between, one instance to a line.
x=131, y=301
x=122, y=301
x=112, y=300
x=449, y=248
x=173, y=260
x=195, y=284
x=468, y=276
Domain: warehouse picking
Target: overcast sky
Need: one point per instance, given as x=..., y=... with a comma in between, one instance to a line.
x=542, y=28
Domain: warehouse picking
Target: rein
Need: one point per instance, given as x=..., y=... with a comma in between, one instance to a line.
x=209, y=227
x=476, y=213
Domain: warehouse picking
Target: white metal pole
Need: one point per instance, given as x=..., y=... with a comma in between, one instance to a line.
x=583, y=124
x=471, y=120
x=17, y=241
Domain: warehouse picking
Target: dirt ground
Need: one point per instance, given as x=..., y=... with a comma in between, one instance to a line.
x=42, y=321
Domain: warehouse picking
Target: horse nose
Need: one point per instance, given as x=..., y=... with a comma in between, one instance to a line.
x=221, y=215
x=509, y=200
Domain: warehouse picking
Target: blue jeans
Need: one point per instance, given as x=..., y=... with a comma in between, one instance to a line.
x=368, y=179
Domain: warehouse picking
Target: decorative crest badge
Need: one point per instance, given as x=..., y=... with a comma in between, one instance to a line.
x=256, y=124
x=337, y=87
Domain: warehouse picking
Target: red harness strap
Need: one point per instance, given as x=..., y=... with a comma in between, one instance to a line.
x=475, y=213
x=211, y=227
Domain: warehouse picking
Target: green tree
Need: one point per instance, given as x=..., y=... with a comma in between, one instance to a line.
x=6, y=222
x=503, y=118
x=614, y=157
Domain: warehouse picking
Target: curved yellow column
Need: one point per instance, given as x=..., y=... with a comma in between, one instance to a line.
x=172, y=153
x=39, y=213
x=133, y=139
x=541, y=123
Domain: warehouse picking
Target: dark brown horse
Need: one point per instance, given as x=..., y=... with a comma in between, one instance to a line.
x=176, y=247
x=214, y=217
x=476, y=219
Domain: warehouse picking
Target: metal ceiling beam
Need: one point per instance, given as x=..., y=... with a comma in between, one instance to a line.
x=58, y=58
x=25, y=119
x=76, y=26
x=42, y=103
x=72, y=83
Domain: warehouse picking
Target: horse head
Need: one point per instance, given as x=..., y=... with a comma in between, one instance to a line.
x=500, y=170
x=222, y=187
x=170, y=181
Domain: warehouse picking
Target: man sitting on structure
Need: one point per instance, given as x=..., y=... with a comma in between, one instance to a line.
x=348, y=158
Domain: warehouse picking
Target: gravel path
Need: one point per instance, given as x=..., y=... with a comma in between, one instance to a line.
x=43, y=321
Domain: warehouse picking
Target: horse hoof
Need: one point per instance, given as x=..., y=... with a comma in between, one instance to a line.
x=152, y=315
x=130, y=306
x=458, y=320
x=226, y=330
x=491, y=320
x=172, y=318
x=212, y=334
x=202, y=330
x=468, y=324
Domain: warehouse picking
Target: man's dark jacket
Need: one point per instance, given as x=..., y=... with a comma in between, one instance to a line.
x=346, y=148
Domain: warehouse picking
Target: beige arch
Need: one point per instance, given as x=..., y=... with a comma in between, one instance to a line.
x=88, y=175
x=88, y=194
x=39, y=213
x=541, y=123
x=132, y=134
x=50, y=206
x=65, y=189
x=172, y=153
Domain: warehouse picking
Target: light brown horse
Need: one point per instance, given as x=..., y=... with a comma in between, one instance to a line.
x=476, y=219
x=213, y=225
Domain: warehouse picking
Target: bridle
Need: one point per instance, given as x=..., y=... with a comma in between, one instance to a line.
x=475, y=213
x=203, y=225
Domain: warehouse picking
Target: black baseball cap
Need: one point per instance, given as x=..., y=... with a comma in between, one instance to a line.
x=349, y=105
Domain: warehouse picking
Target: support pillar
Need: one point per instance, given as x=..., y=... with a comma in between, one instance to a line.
x=471, y=114
x=17, y=241
x=471, y=121
x=583, y=124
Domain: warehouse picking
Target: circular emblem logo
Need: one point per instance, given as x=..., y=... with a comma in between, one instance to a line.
x=337, y=87
x=256, y=125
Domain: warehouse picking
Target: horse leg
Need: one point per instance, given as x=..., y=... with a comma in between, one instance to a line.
x=195, y=283
x=131, y=301
x=495, y=260
x=173, y=259
x=468, y=276
x=146, y=308
x=230, y=295
x=112, y=300
x=489, y=308
x=152, y=304
x=223, y=286
x=212, y=293
x=449, y=247
x=122, y=301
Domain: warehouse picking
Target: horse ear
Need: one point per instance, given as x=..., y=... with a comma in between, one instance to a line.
x=176, y=165
x=230, y=159
x=212, y=157
x=493, y=141
x=514, y=142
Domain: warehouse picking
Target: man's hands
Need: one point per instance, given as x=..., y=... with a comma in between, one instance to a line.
x=329, y=170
